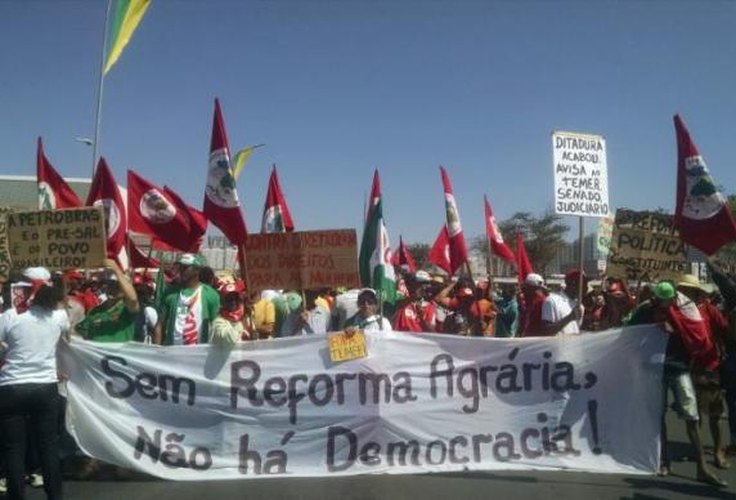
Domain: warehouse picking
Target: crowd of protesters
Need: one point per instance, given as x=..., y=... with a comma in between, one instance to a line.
x=197, y=307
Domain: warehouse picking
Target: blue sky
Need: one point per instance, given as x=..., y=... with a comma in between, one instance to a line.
x=336, y=89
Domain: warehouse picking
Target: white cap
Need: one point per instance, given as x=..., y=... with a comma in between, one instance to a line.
x=422, y=277
x=533, y=279
x=37, y=274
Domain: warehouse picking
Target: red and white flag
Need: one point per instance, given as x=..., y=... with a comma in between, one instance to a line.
x=138, y=259
x=439, y=254
x=523, y=264
x=498, y=246
x=53, y=191
x=702, y=214
x=151, y=211
x=221, y=204
x=458, y=249
x=105, y=193
x=197, y=221
x=402, y=257
x=276, y=215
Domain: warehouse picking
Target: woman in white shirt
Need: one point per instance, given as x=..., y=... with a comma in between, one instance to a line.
x=29, y=398
x=367, y=318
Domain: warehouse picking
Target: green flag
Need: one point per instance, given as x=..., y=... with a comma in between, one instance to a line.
x=376, y=270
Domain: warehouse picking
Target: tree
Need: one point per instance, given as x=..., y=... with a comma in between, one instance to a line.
x=727, y=254
x=543, y=236
x=420, y=252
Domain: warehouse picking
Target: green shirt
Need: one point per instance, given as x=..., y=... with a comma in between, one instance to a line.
x=210, y=310
x=109, y=323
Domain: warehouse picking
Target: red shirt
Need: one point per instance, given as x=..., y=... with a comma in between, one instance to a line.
x=530, y=322
x=407, y=319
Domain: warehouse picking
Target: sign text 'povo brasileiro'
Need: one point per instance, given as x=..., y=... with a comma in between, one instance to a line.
x=57, y=239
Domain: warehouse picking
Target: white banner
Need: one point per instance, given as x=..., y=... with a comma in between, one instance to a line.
x=415, y=404
x=581, y=174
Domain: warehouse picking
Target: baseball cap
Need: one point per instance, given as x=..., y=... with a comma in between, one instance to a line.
x=37, y=274
x=190, y=259
x=533, y=279
x=664, y=290
x=422, y=277
x=237, y=286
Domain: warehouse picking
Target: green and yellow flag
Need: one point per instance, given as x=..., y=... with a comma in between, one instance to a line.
x=240, y=158
x=127, y=16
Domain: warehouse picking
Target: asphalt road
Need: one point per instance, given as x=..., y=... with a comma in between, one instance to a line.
x=680, y=484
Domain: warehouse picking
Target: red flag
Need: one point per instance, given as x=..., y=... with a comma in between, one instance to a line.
x=140, y=259
x=53, y=191
x=221, y=204
x=693, y=332
x=498, y=246
x=439, y=255
x=523, y=265
x=702, y=214
x=276, y=215
x=106, y=194
x=196, y=220
x=402, y=257
x=152, y=211
x=458, y=249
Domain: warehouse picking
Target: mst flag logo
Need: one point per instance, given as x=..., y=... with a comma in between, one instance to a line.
x=702, y=198
x=156, y=208
x=112, y=215
x=46, y=197
x=220, y=181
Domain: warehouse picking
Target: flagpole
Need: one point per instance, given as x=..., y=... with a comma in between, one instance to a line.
x=581, y=245
x=100, y=84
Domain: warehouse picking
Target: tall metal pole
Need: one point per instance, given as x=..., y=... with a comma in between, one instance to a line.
x=100, y=83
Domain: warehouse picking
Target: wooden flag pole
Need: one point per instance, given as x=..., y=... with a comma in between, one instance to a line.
x=581, y=247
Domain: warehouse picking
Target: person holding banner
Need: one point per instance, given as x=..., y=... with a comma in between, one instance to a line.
x=681, y=320
x=561, y=313
x=189, y=309
x=115, y=319
x=228, y=328
x=29, y=397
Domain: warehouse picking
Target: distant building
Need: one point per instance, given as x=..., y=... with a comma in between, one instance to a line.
x=21, y=191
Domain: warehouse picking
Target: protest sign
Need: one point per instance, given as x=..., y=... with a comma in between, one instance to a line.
x=416, y=403
x=57, y=239
x=581, y=174
x=302, y=260
x=645, y=247
x=5, y=262
x=345, y=347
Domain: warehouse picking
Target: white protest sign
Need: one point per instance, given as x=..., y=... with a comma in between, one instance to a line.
x=416, y=403
x=581, y=174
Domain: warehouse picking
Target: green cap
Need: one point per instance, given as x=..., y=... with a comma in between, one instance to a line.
x=664, y=290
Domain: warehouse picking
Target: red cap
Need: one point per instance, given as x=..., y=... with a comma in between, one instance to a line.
x=73, y=274
x=573, y=274
x=232, y=287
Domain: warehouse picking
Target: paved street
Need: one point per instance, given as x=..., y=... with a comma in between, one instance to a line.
x=466, y=486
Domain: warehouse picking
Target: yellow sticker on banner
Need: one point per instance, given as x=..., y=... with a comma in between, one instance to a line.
x=344, y=347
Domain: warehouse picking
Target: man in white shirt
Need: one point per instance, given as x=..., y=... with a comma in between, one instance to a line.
x=561, y=314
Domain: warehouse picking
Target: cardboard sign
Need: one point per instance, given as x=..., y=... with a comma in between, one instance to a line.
x=5, y=262
x=57, y=239
x=645, y=247
x=302, y=260
x=581, y=174
x=344, y=347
